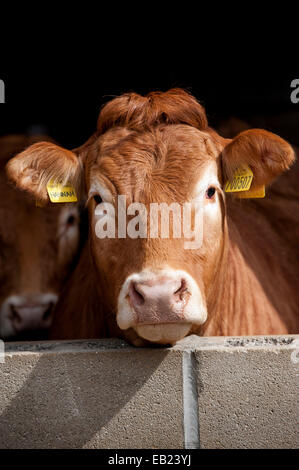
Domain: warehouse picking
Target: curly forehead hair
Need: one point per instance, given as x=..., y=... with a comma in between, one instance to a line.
x=137, y=112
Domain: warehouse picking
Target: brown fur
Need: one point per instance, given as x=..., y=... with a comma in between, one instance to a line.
x=133, y=111
x=34, y=259
x=153, y=149
x=265, y=153
x=44, y=162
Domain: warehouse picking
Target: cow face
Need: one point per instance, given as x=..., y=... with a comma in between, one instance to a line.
x=155, y=150
x=37, y=246
x=158, y=286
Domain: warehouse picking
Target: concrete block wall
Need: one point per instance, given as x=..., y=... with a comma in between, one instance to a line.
x=203, y=393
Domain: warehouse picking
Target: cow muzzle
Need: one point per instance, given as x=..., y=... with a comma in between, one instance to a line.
x=161, y=306
x=26, y=313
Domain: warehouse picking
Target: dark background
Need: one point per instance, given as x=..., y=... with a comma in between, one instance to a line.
x=66, y=100
x=61, y=65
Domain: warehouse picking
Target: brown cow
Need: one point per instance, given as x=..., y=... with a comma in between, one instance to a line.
x=37, y=248
x=243, y=279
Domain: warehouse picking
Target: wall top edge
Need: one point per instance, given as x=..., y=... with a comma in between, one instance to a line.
x=191, y=343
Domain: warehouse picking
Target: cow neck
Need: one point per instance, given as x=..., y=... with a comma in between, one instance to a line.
x=250, y=285
x=230, y=290
x=218, y=290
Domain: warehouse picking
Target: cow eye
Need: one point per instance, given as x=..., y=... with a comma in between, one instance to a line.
x=210, y=193
x=97, y=199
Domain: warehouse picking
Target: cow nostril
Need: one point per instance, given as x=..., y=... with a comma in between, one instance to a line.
x=180, y=293
x=48, y=312
x=135, y=294
x=16, y=317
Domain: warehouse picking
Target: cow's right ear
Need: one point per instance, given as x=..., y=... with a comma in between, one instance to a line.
x=267, y=155
x=33, y=168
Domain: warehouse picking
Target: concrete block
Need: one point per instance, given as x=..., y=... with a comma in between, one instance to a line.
x=248, y=392
x=202, y=393
x=93, y=394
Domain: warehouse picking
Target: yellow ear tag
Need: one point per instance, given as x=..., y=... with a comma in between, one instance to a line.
x=60, y=193
x=241, y=181
x=252, y=193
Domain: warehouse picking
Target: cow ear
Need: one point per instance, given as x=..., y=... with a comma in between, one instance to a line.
x=33, y=168
x=266, y=154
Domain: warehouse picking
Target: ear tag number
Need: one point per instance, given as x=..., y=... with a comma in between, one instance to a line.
x=60, y=193
x=241, y=181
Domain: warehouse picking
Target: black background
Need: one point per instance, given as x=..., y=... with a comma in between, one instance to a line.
x=66, y=100
x=59, y=70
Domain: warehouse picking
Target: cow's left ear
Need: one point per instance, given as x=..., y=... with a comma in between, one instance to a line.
x=266, y=154
x=32, y=169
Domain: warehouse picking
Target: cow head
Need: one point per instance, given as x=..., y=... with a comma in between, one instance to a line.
x=154, y=150
x=37, y=247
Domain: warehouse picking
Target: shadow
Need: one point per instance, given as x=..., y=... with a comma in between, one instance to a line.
x=68, y=399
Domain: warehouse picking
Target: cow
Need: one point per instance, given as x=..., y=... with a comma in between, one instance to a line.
x=243, y=279
x=38, y=247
